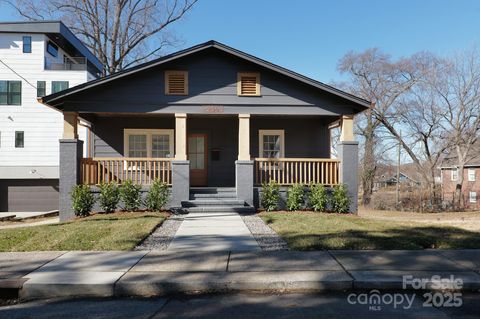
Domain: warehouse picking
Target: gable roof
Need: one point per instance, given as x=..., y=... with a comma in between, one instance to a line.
x=57, y=98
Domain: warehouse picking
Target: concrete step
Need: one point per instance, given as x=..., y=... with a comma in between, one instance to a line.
x=221, y=209
x=212, y=202
x=221, y=195
x=212, y=190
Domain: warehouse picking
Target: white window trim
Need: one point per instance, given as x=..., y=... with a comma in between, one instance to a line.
x=471, y=175
x=262, y=133
x=472, y=199
x=149, y=132
x=452, y=177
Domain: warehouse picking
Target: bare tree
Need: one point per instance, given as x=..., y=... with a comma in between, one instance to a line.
x=375, y=77
x=121, y=33
x=458, y=89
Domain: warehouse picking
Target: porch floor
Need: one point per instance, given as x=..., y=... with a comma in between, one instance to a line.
x=213, y=231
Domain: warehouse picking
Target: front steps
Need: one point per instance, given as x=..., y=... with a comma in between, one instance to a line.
x=215, y=199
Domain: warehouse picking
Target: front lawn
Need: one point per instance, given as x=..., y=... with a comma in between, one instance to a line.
x=117, y=231
x=316, y=231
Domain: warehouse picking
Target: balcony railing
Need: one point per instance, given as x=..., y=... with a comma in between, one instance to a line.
x=69, y=64
x=288, y=171
x=141, y=171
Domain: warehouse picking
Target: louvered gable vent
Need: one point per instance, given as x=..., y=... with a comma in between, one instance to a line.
x=248, y=84
x=176, y=82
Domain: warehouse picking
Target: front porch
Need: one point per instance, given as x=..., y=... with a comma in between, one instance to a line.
x=237, y=151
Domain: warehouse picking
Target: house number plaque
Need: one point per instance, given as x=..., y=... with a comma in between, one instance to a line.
x=213, y=108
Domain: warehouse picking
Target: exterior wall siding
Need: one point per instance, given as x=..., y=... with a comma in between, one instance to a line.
x=304, y=137
x=448, y=187
x=42, y=125
x=212, y=78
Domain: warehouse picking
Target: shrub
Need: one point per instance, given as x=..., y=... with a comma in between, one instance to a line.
x=130, y=195
x=82, y=200
x=109, y=196
x=296, y=197
x=318, y=198
x=340, y=199
x=157, y=196
x=270, y=195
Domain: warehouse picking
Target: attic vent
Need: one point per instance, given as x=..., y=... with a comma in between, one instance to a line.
x=176, y=82
x=248, y=84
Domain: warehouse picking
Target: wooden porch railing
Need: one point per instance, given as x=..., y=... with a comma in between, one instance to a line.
x=288, y=171
x=141, y=171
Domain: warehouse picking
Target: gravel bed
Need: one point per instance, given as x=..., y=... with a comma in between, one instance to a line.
x=266, y=237
x=162, y=236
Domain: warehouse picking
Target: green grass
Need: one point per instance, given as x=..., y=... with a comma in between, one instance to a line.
x=117, y=231
x=316, y=231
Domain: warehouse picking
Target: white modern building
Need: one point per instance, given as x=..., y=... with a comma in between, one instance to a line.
x=36, y=59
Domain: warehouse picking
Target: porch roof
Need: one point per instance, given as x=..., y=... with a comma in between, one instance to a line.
x=56, y=100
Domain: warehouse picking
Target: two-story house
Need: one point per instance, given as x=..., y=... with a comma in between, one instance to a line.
x=36, y=59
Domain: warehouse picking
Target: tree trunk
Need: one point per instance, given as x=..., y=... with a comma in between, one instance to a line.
x=369, y=165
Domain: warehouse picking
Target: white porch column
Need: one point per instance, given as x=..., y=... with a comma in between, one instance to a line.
x=348, y=155
x=70, y=125
x=180, y=136
x=180, y=164
x=244, y=165
x=243, y=137
x=346, y=126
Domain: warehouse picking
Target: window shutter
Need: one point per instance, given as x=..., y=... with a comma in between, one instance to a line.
x=176, y=82
x=248, y=84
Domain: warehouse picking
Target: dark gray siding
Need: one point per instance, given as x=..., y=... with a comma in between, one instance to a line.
x=212, y=81
x=28, y=195
x=304, y=137
x=108, y=132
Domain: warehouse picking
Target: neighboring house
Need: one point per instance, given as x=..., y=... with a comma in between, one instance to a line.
x=209, y=116
x=386, y=176
x=471, y=181
x=36, y=59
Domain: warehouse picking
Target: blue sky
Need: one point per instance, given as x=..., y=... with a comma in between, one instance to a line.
x=310, y=36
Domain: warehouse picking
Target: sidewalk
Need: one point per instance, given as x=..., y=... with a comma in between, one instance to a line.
x=149, y=273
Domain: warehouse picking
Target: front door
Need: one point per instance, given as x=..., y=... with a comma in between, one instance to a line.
x=197, y=154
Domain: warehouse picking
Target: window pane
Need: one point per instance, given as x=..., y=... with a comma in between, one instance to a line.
x=160, y=146
x=15, y=99
x=3, y=98
x=19, y=139
x=192, y=145
x=52, y=49
x=27, y=44
x=271, y=146
x=41, y=88
x=200, y=144
x=137, y=145
x=193, y=160
x=58, y=86
x=200, y=161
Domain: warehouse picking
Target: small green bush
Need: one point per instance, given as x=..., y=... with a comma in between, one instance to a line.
x=340, y=199
x=318, y=198
x=109, y=196
x=296, y=197
x=270, y=195
x=157, y=196
x=130, y=195
x=82, y=200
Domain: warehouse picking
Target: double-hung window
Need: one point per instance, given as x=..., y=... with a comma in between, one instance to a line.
x=271, y=143
x=454, y=174
x=472, y=197
x=10, y=92
x=58, y=86
x=41, y=88
x=471, y=175
x=153, y=143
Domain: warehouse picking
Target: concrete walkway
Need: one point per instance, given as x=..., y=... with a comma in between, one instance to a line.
x=213, y=231
x=154, y=273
